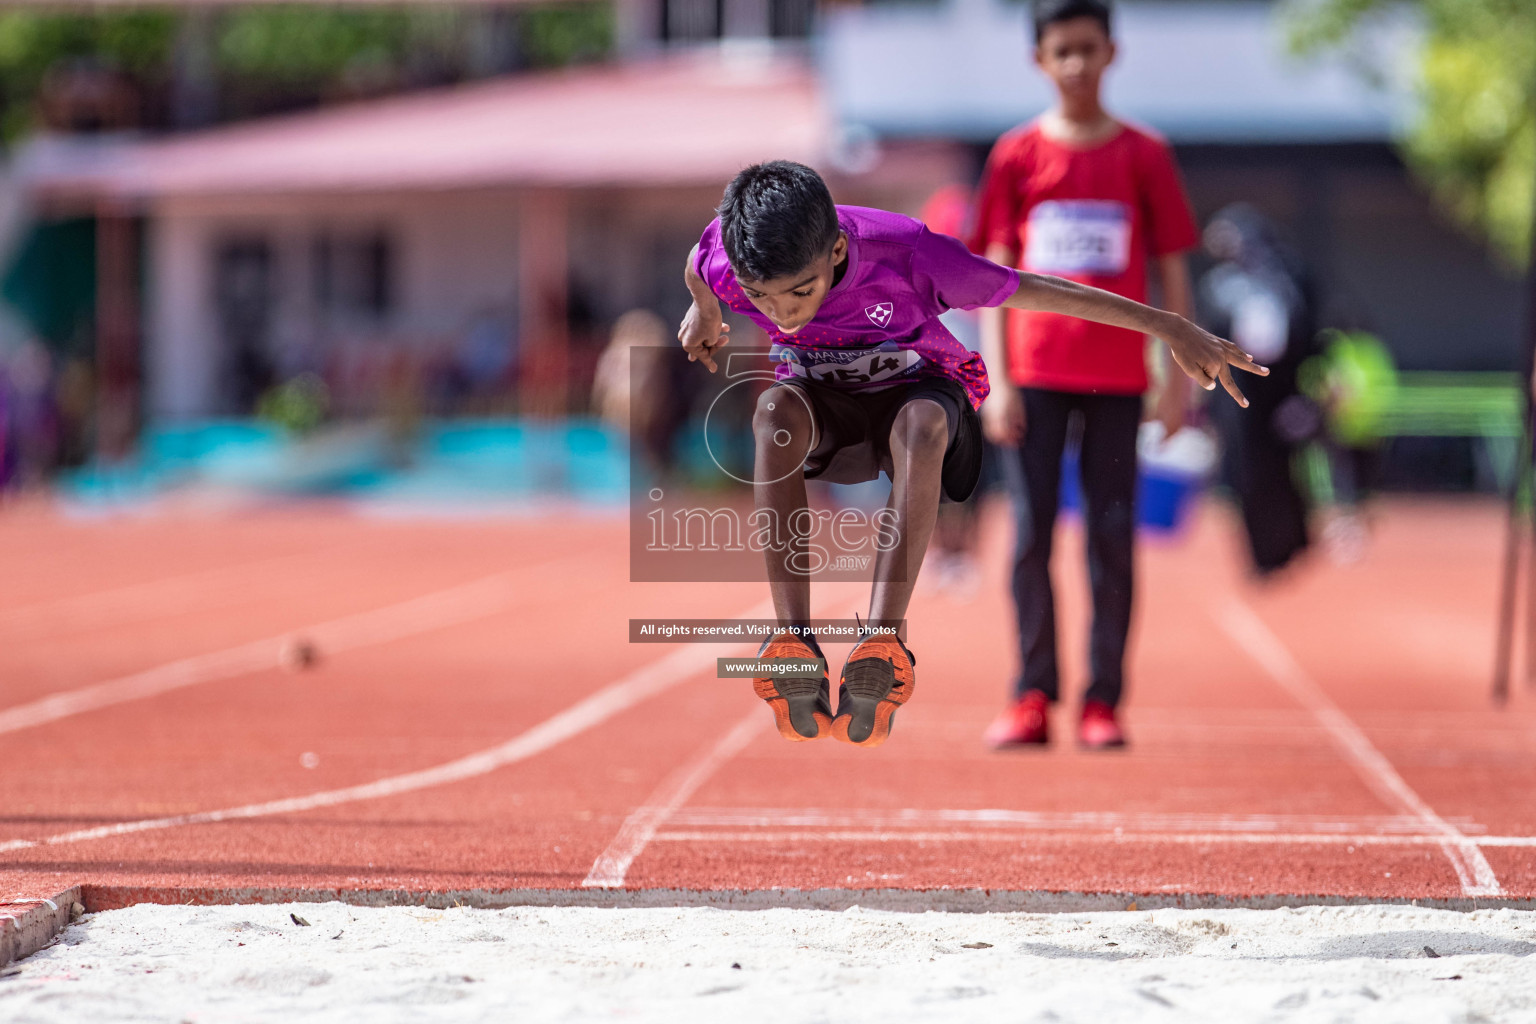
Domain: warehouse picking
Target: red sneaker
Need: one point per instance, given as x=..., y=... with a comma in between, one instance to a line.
x=1098, y=728
x=1026, y=721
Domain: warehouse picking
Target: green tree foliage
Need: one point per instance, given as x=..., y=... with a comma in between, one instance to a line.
x=33, y=43
x=1474, y=142
x=271, y=57
x=553, y=36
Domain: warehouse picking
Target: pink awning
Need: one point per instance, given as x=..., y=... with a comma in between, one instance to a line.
x=681, y=120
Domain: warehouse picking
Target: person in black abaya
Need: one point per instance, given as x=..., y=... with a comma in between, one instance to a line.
x=1258, y=295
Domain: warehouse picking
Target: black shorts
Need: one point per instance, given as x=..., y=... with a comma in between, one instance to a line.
x=852, y=434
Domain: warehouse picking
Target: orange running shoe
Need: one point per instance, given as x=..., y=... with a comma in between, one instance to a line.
x=802, y=705
x=1026, y=722
x=876, y=680
x=1099, y=729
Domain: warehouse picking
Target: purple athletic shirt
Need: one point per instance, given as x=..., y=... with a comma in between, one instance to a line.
x=879, y=325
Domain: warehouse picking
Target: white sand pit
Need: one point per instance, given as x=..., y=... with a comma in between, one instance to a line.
x=253, y=963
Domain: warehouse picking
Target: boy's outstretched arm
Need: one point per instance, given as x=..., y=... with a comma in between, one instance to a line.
x=704, y=328
x=1171, y=405
x=1206, y=358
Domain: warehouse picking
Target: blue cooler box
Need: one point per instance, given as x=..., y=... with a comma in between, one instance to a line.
x=1168, y=476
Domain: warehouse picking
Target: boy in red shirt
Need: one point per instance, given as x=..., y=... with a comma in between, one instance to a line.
x=1080, y=195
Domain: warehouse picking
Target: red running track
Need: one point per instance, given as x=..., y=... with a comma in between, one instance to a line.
x=477, y=724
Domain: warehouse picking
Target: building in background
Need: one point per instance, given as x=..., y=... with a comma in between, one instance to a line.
x=380, y=239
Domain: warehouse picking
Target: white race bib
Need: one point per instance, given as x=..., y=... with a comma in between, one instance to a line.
x=1079, y=236
x=850, y=367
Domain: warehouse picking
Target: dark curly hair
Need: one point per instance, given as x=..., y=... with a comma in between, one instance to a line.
x=776, y=219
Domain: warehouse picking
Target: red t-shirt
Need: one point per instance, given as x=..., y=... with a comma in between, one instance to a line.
x=1094, y=215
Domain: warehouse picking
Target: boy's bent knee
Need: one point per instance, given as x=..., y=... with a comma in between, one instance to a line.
x=922, y=425
x=782, y=409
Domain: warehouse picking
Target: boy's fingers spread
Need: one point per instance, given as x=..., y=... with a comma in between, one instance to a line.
x=1242, y=360
x=1227, y=382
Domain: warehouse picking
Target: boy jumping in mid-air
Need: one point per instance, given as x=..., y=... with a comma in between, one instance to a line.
x=871, y=381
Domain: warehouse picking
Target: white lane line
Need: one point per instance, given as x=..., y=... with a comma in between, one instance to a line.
x=786, y=836
x=1249, y=631
x=1093, y=821
x=616, y=697
x=635, y=834
x=453, y=606
x=613, y=863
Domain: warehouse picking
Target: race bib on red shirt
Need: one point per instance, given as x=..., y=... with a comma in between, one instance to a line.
x=1079, y=236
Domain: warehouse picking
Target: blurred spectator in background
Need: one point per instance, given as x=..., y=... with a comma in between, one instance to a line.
x=1353, y=380
x=7, y=448
x=1259, y=296
x=29, y=417
x=632, y=391
x=75, y=399
x=483, y=367
x=401, y=403
x=951, y=567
